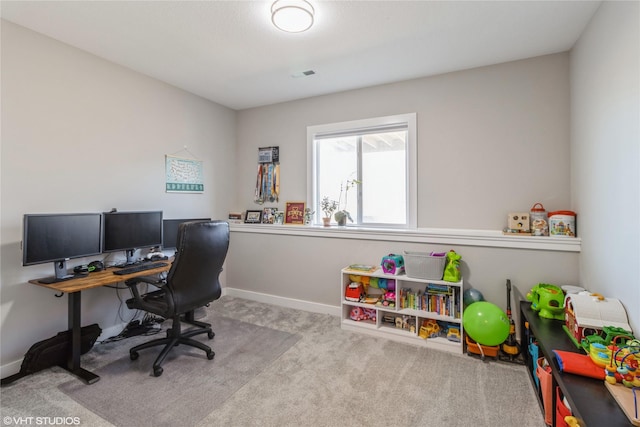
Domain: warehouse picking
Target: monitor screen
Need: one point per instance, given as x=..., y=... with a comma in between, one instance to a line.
x=58, y=237
x=170, y=231
x=55, y=237
x=128, y=231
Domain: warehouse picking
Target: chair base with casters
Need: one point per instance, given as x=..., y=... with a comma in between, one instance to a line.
x=175, y=336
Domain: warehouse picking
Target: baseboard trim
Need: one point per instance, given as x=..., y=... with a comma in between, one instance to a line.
x=283, y=301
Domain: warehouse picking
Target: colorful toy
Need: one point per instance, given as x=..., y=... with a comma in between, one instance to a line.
x=360, y=313
x=453, y=333
x=486, y=323
x=622, y=367
x=354, y=292
x=393, y=264
x=429, y=329
x=587, y=314
x=389, y=299
x=547, y=300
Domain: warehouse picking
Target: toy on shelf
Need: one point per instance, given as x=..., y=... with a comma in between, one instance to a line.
x=354, y=292
x=453, y=333
x=547, y=300
x=429, y=329
x=360, y=313
x=393, y=264
x=388, y=300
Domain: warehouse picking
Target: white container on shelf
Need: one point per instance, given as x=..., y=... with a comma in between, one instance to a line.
x=562, y=224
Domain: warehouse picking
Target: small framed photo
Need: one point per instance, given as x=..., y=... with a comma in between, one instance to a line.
x=269, y=215
x=253, y=217
x=294, y=213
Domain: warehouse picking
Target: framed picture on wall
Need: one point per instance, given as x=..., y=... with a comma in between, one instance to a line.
x=294, y=213
x=253, y=217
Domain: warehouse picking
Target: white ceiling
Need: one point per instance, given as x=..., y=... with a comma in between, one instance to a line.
x=230, y=53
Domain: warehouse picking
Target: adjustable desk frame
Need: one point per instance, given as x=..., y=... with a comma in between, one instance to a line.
x=73, y=288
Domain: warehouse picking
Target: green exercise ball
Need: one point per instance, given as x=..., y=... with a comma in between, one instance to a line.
x=486, y=323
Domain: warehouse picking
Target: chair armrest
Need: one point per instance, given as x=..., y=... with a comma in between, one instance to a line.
x=135, y=281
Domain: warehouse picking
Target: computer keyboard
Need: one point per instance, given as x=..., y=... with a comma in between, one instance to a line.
x=139, y=267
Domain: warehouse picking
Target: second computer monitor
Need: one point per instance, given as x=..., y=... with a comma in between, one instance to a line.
x=170, y=231
x=128, y=231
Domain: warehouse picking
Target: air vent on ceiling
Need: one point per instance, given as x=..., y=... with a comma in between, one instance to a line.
x=303, y=74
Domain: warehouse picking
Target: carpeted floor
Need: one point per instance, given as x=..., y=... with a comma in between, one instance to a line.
x=329, y=377
x=192, y=386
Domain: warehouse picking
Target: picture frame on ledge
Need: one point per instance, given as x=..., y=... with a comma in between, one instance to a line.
x=253, y=217
x=269, y=215
x=294, y=213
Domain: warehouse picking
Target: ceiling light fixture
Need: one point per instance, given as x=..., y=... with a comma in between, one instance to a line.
x=292, y=16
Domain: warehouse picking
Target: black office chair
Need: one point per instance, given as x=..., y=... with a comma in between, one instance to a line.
x=192, y=282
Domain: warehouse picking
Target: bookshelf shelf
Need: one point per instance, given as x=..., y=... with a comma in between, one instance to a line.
x=417, y=302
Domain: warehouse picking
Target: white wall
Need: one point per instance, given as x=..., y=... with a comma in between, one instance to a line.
x=490, y=140
x=605, y=153
x=81, y=134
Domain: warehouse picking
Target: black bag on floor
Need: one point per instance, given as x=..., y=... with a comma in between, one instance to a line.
x=53, y=352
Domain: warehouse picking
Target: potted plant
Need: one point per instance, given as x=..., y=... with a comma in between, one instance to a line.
x=328, y=207
x=308, y=214
x=342, y=215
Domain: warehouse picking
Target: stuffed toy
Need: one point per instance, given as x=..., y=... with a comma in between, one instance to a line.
x=452, y=269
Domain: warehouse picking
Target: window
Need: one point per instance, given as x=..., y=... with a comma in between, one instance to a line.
x=368, y=167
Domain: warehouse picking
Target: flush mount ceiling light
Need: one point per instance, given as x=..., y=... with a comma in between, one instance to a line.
x=292, y=16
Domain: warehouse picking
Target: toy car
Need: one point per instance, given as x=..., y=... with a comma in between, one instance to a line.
x=453, y=334
x=354, y=292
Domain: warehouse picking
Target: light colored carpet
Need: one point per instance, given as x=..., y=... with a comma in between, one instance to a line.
x=330, y=377
x=191, y=386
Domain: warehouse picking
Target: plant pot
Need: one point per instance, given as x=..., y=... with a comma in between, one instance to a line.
x=341, y=218
x=326, y=221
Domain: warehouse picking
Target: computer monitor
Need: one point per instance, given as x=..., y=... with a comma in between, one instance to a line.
x=170, y=231
x=58, y=237
x=128, y=231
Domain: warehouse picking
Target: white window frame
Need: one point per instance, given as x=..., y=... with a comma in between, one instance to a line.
x=408, y=119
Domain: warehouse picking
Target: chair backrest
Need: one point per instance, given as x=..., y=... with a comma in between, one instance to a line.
x=194, y=275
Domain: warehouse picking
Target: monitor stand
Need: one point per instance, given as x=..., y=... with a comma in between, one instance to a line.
x=61, y=273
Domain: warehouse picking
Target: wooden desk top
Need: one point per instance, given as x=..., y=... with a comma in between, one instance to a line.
x=97, y=279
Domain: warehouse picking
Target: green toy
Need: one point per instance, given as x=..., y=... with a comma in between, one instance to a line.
x=547, y=300
x=452, y=269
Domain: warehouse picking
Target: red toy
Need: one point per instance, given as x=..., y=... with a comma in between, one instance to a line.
x=354, y=292
x=359, y=313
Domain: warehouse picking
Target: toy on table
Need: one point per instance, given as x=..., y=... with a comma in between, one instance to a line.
x=588, y=314
x=393, y=264
x=547, y=300
x=622, y=366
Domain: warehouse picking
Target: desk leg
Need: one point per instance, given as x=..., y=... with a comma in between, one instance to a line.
x=73, y=361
